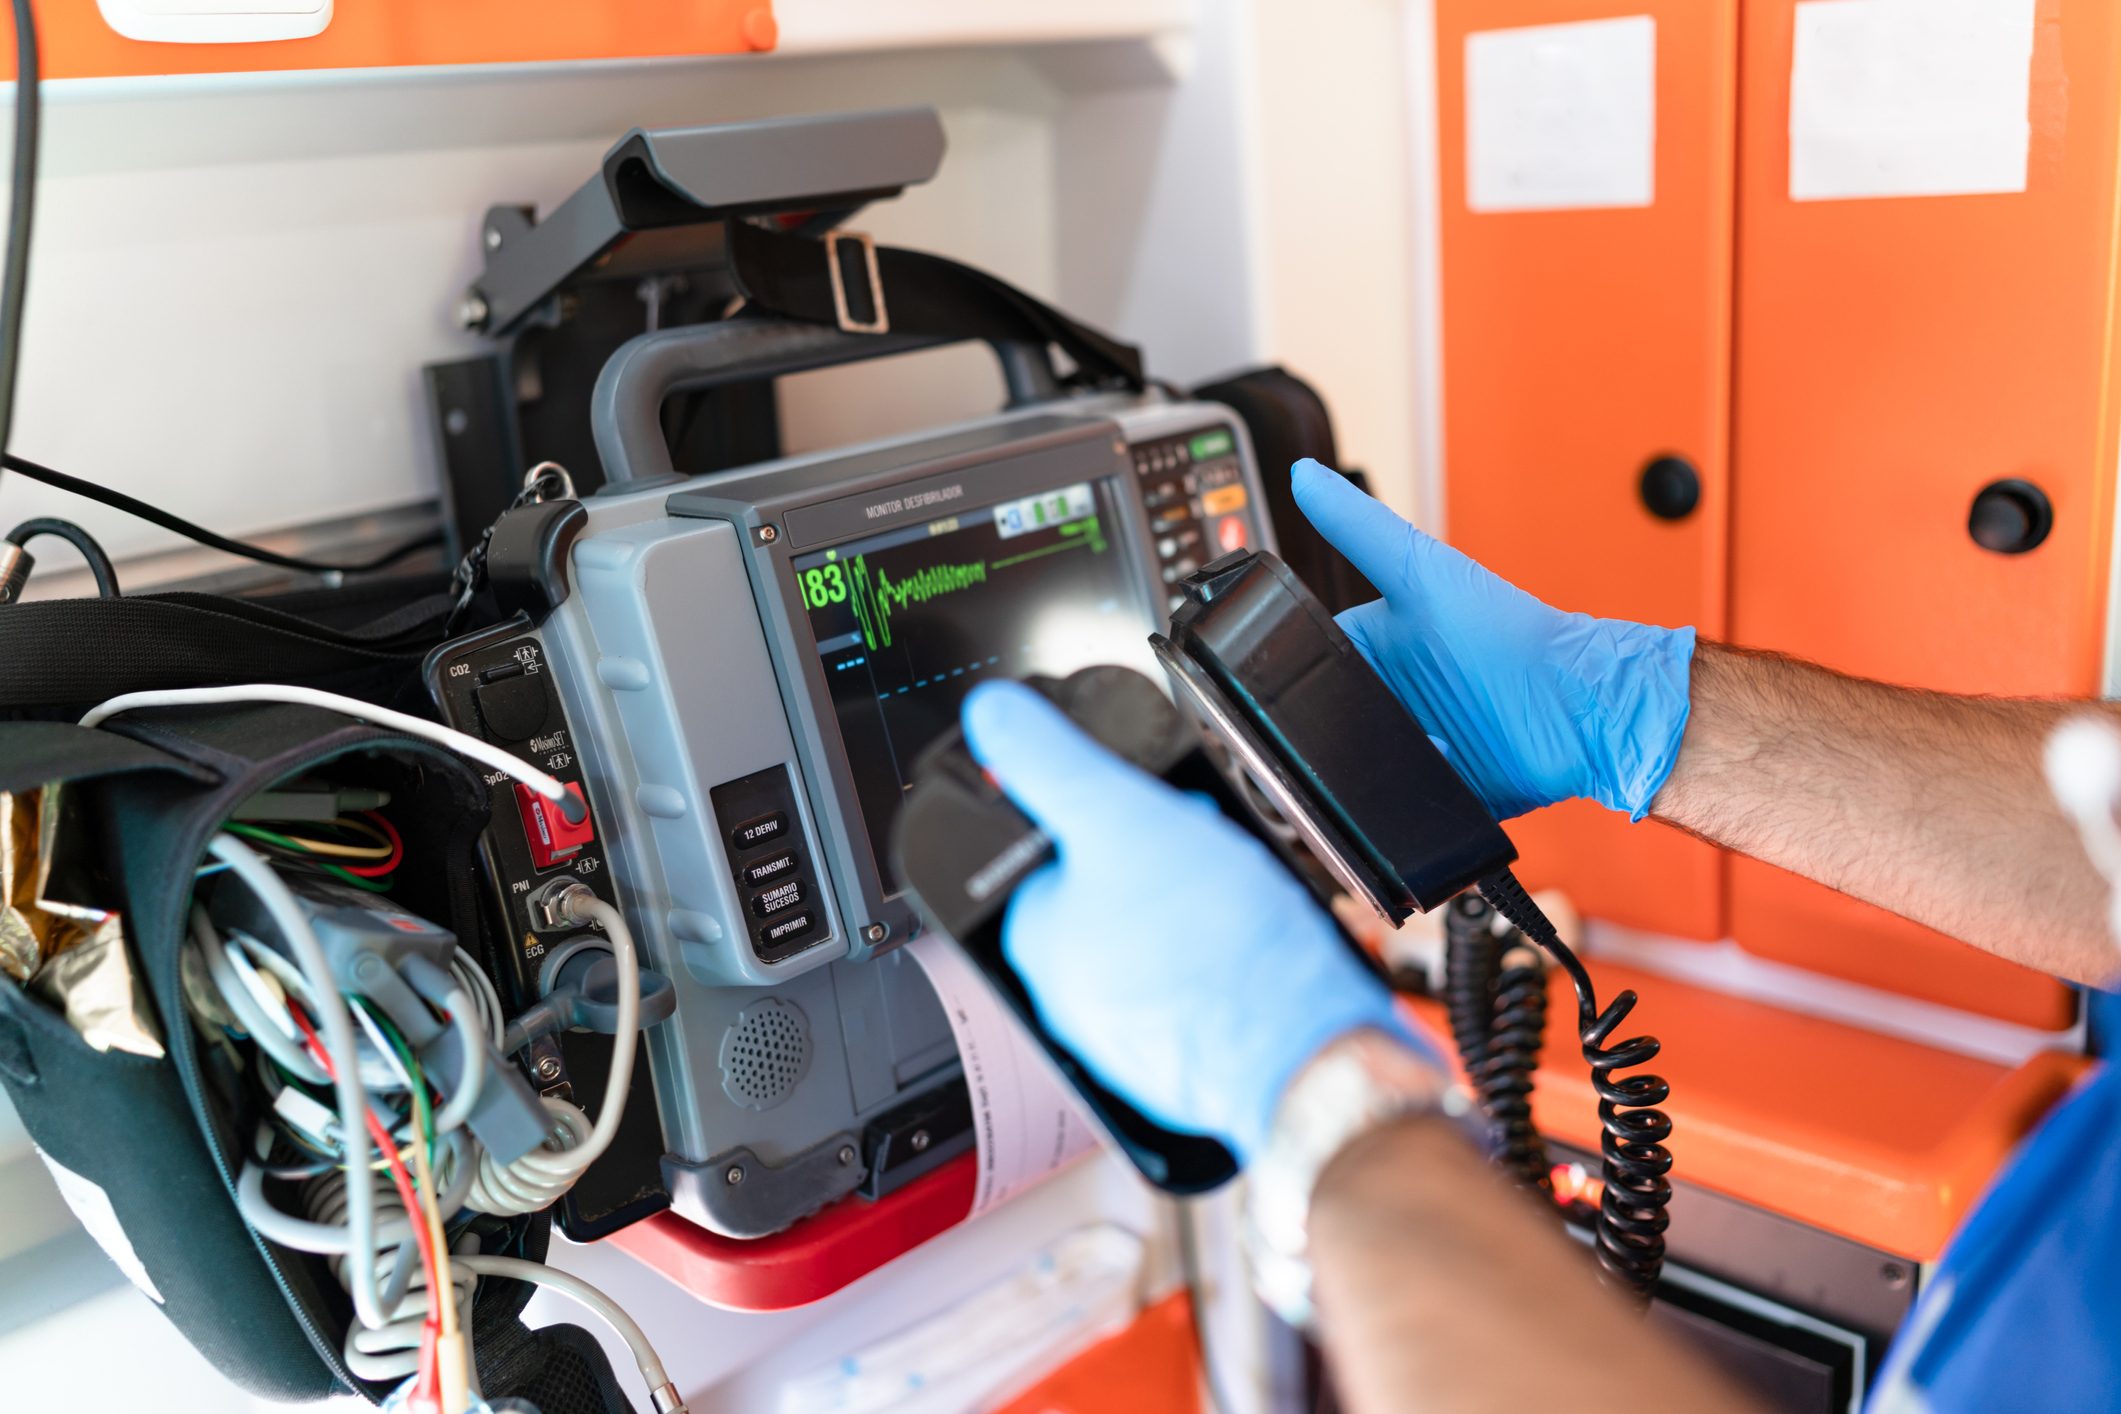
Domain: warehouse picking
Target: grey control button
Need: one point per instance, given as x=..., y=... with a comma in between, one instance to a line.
x=786, y=929
x=778, y=899
x=778, y=865
x=763, y=830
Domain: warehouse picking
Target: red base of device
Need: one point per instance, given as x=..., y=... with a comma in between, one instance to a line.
x=818, y=1256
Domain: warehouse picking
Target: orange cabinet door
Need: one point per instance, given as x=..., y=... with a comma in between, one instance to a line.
x=77, y=42
x=1897, y=354
x=1586, y=334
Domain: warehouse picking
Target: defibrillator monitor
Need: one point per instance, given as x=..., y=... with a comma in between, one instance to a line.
x=740, y=670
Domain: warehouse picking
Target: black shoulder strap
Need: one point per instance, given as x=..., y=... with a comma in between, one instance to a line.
x=35, y=754
x=793, y=276
x=61, y=651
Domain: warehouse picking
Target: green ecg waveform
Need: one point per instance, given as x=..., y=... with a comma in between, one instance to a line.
x=877, y=597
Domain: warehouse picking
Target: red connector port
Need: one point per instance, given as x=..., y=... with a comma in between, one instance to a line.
x=552, y=839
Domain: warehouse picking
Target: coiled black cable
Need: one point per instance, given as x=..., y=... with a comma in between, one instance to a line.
x=1636, y=1165
x=1472, y=964
x=1495, y=994
x=99, y=563
x=1506, y=1072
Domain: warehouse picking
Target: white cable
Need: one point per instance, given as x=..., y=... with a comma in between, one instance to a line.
x=265, y=993
x=539, y=1177
x=300, y=1234
x=336, y=1029
x=271, y=1032
x=399, y=1081
x=475, y=1011
x=331, y=1239
x=487, y=755
x=475, y=981
x=661, y=1390
x=379, y=1068
x=389, y=1352
x=252, y=953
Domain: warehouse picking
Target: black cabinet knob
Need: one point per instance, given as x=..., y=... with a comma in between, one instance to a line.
x=2010, y=517
x=1670, y=488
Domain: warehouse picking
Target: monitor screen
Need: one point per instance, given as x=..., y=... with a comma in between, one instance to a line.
x=908, y=621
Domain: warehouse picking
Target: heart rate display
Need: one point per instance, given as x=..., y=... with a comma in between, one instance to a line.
x=908, y=622
x=874, y=600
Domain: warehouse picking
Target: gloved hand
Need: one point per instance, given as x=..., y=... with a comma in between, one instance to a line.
x=1166, y=948
x=1533, y=705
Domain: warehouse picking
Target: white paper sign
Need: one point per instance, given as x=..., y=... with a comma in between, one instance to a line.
x=1026, y=1118
x=1562, y=117
x=1910, y=98
x=92, y=1206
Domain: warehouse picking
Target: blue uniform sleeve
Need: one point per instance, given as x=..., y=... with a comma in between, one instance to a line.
x=2024, y=1310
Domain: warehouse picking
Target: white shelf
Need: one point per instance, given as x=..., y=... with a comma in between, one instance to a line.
x=850, y=26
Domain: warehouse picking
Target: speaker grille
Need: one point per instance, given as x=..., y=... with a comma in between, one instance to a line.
x=765, y=1054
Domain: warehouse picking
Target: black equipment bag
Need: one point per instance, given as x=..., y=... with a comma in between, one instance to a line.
x=150, y=1147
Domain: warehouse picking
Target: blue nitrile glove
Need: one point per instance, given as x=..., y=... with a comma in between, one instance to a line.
x=1533, y=705
x=1166, y=948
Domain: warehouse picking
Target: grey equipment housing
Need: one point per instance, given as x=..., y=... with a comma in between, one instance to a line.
x=698, y=705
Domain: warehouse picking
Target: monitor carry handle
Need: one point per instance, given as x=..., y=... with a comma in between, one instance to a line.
x=626, y=407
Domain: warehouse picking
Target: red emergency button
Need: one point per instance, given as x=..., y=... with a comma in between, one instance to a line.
x=1230, y=533
x=552, y=839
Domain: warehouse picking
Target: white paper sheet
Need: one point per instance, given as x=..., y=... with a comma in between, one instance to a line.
x=1910, y=98
x=1026, y=1118
x=92, y=1205
x=1562, y=117
x=974, y=1354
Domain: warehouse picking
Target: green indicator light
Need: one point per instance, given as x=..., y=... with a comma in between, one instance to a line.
x=1218, y=443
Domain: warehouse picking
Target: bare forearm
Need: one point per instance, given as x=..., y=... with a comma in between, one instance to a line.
x=1441, y=1288
x=1933, y=806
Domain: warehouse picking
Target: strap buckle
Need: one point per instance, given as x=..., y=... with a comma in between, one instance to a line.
x=847, y=322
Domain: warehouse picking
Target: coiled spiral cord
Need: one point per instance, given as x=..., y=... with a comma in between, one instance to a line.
x=1495, y=994
x=388, y=1353
x=1636, y=1165
x=1472, y=966
x=536, y=1180
x=1512, y=1060
x=572, y=1143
